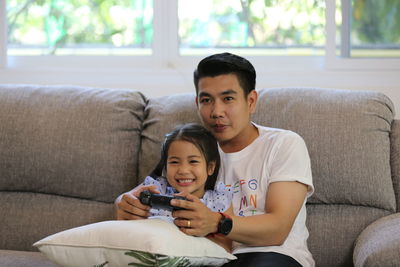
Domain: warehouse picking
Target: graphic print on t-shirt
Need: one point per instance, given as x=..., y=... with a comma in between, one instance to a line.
x=245, y=196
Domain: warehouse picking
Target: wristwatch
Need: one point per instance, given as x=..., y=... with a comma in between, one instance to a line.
x=225, y=224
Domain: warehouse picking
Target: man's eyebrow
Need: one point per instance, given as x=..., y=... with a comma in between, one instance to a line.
x=226, y=92
x=203, y=94
x=229, y=92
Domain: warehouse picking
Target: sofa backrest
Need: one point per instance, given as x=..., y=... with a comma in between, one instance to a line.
x=346, y=132
x=161, y=115
x=347, y=135
x=69, y=141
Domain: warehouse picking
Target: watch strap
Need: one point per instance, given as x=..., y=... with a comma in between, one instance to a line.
x=225, y=224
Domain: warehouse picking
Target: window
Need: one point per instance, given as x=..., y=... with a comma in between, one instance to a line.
x=363, y=34
x=368, y=28
x=266, y=27
x=84, y=27
x=127, y=33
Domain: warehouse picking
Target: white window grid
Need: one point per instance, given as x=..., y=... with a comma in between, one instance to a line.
x=166, y=49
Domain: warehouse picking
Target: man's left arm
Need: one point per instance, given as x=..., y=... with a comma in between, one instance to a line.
x=284, y=201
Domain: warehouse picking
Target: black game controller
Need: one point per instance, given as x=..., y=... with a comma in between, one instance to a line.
x=157, y=201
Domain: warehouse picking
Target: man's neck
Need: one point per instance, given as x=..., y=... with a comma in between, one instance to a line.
x=240, y=142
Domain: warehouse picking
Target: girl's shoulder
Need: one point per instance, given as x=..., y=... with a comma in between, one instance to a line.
x=219, y=199
x=222, y=188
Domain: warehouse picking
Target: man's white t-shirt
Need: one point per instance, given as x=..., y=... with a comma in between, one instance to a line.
x=275, y=155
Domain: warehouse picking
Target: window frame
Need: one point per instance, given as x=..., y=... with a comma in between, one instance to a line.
x=334, y=62
x=161, y=47
x=166, y=50
x=3, y=35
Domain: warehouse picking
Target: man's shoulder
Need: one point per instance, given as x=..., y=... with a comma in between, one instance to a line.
x=276, y=137
x=270, y=132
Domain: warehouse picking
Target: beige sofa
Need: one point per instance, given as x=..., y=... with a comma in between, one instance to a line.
x=67, y=152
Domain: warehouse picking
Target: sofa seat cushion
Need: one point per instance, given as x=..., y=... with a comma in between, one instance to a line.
x=13, y=258
x=27, y=217
x=337, y=227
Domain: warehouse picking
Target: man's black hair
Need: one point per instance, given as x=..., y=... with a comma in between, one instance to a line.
x=227, y=63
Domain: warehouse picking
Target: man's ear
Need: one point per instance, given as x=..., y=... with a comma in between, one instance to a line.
x=211, y=167
x=197, y=102
x=252, y=100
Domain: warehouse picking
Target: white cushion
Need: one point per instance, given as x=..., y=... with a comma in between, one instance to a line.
x=118, y=243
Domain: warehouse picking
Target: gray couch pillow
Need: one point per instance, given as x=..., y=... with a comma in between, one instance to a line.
x=70, y=141
x=162, y=114
x=347, y=135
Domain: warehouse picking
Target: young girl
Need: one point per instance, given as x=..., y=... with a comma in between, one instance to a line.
x=190, y=161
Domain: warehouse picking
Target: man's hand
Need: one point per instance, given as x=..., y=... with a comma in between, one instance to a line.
x=128, y=206
x=196, y=219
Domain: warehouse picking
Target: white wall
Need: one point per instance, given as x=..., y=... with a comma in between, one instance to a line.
x=158, y=82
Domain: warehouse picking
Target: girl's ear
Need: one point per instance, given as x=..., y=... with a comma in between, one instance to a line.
x=211, y=167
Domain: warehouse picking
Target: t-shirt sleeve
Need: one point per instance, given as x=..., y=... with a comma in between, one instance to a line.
x=291, y=161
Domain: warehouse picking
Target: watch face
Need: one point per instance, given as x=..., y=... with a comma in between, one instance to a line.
x=225, y=225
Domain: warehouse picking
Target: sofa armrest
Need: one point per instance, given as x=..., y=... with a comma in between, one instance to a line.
x=395, y=159
x=379, y=243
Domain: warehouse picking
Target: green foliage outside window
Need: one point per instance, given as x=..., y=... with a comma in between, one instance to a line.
x=376, y=22
x=54, y=25
x=252, y=23
x=57, y=24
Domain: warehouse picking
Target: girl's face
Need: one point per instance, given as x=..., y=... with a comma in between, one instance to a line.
x=187, y=169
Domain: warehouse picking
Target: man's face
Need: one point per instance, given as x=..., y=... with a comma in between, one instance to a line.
x=225, y=111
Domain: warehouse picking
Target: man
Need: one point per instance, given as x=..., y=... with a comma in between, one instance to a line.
x=268, y=170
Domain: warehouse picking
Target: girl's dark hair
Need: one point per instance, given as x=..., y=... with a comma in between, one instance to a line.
x=227, y=63
x=202, y=139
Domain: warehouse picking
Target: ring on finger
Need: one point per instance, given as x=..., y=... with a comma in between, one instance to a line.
x=188, y=224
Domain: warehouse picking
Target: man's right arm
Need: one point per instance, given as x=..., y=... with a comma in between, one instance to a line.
x=129, y=207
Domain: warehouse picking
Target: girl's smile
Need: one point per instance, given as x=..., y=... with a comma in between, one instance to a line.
x=185, y=182
x=187, y=168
